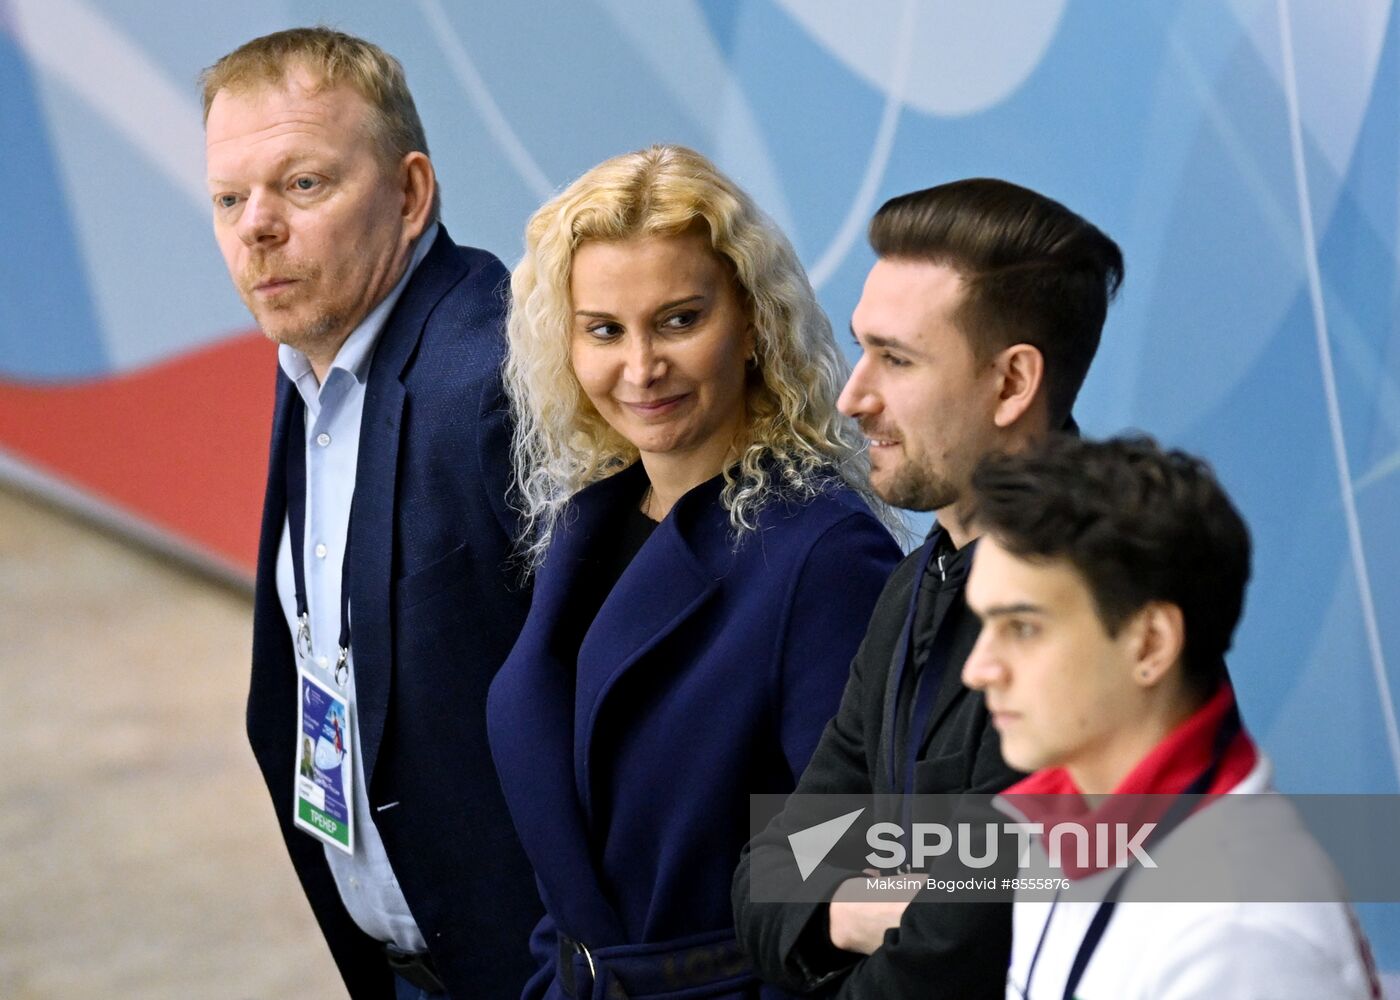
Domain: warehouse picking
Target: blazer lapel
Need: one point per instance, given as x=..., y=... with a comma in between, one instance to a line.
x=274, y=665
x=274, y=517
x=372, y=518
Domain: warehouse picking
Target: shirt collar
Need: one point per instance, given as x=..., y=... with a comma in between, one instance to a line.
x=355, y=354
x=948, y=559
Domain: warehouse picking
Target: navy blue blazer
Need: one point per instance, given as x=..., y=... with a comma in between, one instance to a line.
x=708, y=674
x=435, y=609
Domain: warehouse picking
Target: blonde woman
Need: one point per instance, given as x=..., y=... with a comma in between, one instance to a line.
x=705, y=560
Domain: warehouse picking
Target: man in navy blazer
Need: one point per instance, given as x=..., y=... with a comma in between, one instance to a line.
x=382, y=584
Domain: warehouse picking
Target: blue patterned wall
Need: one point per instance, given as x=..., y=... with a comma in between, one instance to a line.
x=1243, y=152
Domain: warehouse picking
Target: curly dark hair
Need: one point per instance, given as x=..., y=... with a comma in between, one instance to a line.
x=1138, y=522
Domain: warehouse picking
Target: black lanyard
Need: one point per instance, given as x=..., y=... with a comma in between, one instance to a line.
x=296, y=521
x=926, y=688
x=1229, y=728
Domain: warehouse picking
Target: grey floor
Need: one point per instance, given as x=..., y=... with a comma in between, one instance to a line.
x=138, y=856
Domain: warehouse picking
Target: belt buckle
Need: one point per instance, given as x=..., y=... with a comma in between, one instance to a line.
x=582, y=949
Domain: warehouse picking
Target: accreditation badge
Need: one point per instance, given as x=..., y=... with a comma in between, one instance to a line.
x=324, y=780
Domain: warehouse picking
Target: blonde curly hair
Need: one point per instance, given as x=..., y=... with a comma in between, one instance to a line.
x=794, y=437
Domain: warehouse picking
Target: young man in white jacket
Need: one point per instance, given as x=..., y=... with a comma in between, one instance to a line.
x=1109, y=580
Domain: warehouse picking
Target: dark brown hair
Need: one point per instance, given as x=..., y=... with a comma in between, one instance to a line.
x=1138, y=523
x=1035, y=272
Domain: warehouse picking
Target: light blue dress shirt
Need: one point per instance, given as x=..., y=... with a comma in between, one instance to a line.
x=366, y=881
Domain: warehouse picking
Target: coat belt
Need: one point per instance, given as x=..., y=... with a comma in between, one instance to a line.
x=636, y=972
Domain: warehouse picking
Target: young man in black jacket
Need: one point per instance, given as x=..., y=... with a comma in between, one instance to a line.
x=977, y=326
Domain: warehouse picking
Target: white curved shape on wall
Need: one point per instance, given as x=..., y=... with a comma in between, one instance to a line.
x=1386, y=467
x=76, y=45
x=1356, y=542
x=972, y=56
x=706, y=88
x=480, y=95
x=128, y=145
x=1336, y=68
x=858, y=215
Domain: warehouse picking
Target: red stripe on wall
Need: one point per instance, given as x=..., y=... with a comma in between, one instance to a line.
x=181, y=445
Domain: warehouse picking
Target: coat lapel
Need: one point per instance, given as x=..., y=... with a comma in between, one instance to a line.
x=954, y=651
x=531, y=718
x=949, y=694
x=545, y=700
x=373, y=512
x=891, y=703
x=665, y=584
x=945, y=648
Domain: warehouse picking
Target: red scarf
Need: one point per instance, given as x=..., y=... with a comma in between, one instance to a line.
x=1051, y=797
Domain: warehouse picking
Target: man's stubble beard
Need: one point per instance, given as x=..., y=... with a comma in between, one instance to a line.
x=308, y=338
x=913, y=487
x=277, y=324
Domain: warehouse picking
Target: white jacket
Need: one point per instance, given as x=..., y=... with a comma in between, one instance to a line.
x=1181, y=950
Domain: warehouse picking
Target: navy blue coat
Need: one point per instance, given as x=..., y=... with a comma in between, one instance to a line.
x=435, y=611
x=708, y=674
